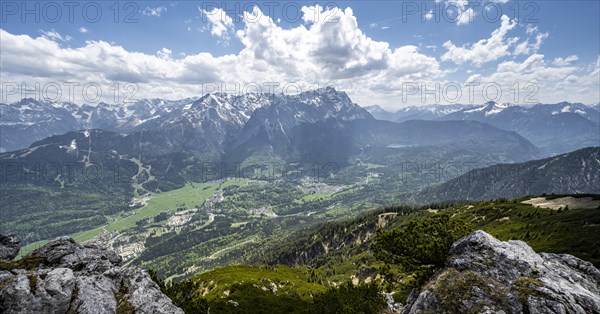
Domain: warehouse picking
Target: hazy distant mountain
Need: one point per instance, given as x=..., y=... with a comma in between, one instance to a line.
x=574, y=172
x=590, y=112
x=29, y=120
x=426, y=112
x=470, y=135
x=555, y=129
x=379, y=113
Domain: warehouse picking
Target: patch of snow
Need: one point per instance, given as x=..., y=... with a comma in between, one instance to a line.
x=497, y=109
x=29, y=151
x=140, y=121
x=475, y=109
x=128, y=112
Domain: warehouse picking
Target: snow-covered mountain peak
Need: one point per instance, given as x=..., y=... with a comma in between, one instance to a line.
x=493, y=108
x=375, y=109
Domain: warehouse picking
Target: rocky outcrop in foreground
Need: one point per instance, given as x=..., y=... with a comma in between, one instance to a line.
x=9, y=246
x=66, y=277
x=485, y=275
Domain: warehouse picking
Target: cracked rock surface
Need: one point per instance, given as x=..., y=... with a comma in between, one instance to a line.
x=9, y=246
x=485, y=275
x=66, y=277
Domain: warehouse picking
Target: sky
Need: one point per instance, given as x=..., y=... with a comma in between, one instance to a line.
x=390, y=53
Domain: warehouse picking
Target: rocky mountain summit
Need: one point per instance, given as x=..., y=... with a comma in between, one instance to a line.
x=485, y=275
x=66, y=277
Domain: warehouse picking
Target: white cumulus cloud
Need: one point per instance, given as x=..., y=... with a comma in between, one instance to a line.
x=164, y=53
x=485, y=50
x=55, y=36
x=220, y=22
x=466, y=17
x=158, y=11
x=313, y=52
x=429, y=15
x=537, y=80
x=565, y=61
x=526, y=47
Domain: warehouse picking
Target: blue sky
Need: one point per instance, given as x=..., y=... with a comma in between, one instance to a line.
x=374, y=50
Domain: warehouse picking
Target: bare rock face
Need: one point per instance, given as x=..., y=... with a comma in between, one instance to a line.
x=485, y=275
x=10, y=244
x=66, y=277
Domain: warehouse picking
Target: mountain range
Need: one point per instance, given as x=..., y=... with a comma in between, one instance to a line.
x=213, y=121
x=427, y=112
x=554, y=128
x=315, y=126
x=158, y=146
x=168, y=143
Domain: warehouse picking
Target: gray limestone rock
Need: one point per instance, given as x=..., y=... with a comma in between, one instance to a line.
x=485, y=275
x=75, y=278
x=10, y=244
